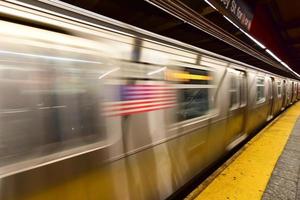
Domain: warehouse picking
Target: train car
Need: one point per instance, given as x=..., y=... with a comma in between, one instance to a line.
x=105, y=110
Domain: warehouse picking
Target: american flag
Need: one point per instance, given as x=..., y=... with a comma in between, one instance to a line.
x=141, y=98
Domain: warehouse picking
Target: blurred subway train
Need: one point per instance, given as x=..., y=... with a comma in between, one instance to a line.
x=105, y=110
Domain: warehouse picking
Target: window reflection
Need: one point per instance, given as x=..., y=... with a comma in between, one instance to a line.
x=193, y=103
x=260, y=89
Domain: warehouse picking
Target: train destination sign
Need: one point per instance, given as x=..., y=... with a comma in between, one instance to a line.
x=236, y=10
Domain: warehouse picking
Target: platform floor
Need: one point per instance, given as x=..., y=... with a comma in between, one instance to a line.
x=266, y=168
x=284, y=182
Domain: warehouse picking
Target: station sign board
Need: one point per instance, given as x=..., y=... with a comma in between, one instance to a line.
x=236, y=10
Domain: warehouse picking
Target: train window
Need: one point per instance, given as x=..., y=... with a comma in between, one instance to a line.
x=195, y=95
x=193, y=103
x=237, y=88
x=279, y=90
x=260, y=90
x=234, y=91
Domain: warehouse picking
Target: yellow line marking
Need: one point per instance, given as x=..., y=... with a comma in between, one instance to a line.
x=247, y=176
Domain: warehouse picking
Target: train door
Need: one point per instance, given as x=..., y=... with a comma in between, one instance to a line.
x=237, y=108
x=295, y=92
x=284, y=95
x=288, y=92
x=271, y=97
x=292, y=92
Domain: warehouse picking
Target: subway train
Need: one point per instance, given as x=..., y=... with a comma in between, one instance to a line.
x=98, y=109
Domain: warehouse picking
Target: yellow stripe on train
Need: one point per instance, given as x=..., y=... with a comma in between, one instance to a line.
x=171, y=75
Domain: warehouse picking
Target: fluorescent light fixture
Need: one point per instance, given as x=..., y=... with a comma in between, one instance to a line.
x=249, y=36
x=281, y=62
x=273, y=55
x=210, y=4
x=231, y=22
x=156, y=71
x=253, y=39
x=109, y=72
x=285, y=65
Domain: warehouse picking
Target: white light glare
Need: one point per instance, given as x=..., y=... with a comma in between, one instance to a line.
x=273, y=55
x=210, y=4
x=156, y=71
x=109, y=72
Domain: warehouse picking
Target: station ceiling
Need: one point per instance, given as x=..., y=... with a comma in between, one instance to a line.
x=286, y=19
x=194, y=22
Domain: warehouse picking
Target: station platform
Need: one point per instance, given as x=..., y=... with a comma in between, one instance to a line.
x=267, y=167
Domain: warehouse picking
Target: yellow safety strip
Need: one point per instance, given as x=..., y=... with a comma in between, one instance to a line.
x=247, y=176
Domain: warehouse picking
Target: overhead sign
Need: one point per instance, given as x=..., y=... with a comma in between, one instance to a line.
x=236, y=10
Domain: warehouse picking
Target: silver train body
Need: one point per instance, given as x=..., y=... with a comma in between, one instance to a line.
x=92, y=111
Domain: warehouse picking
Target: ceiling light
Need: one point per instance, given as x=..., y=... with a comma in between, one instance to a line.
x=253, y=39
x=210, y=4
x=273, y=55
